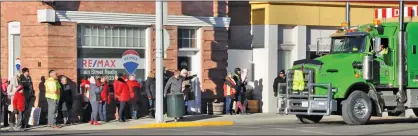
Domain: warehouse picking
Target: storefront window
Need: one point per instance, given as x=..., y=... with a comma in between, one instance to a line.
x=111, y=36
x=106, y=50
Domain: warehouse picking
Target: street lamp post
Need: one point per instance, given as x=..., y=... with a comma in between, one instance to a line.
x=159, y=116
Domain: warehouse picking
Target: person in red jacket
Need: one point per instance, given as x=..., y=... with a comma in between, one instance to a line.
x=19, y=106
x=116, y=84
x=134, y=86
x=123, y=95
x=104, y=99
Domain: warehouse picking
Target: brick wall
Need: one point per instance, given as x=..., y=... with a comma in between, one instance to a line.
x=170, y=62
x=62, y=49
x=33, y=36
x=214, y=61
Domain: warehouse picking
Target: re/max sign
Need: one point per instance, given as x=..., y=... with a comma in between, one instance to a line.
x=99, y=63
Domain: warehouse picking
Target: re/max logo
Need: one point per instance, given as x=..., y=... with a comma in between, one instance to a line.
x=129, y=58
x=99, y=63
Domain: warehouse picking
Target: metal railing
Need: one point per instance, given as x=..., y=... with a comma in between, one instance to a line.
x=306, y=102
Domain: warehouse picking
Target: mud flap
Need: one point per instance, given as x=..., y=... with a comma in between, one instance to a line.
x=378, y=101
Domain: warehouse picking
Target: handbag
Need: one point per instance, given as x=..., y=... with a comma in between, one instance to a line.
x=34, y=116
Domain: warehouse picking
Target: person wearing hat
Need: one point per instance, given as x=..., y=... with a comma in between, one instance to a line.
x=279, y=79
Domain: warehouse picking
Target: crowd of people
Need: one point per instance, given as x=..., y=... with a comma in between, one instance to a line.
x=68, y=103
x=90, y=100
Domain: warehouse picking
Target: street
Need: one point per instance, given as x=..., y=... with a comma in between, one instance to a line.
x=398, y=126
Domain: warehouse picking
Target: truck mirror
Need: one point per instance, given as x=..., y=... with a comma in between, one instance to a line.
x=376, y=44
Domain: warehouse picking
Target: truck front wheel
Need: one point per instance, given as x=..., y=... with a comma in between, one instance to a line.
x=357, y=108
x=309, y=119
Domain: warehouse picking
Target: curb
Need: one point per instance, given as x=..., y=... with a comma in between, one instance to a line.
x=184, y=124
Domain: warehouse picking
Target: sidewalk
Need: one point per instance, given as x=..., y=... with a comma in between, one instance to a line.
x=195, y=121
x=188, y=121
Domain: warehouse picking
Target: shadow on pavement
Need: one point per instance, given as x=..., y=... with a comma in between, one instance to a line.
x=392, y=131
x=378, y=121
x=195, y=118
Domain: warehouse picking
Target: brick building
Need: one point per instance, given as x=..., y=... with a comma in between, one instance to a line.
x=90, y=38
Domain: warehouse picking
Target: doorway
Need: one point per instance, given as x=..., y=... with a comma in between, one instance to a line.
x=184, y=62
x=14, y=47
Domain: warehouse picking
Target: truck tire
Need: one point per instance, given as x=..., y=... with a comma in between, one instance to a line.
x=357, y=108
x=309, y=119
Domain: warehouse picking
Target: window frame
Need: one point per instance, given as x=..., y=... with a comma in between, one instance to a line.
x=192, y=36
x=85, y=31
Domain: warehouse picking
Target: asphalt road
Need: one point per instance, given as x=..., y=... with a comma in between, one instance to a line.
x=376, y=127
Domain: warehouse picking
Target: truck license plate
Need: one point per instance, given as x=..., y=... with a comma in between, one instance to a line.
x=304, y=104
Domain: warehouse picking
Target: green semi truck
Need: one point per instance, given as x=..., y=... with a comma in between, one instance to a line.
x=365, y=74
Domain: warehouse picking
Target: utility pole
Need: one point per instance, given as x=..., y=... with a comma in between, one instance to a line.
x=159, y=116
x=347, y=14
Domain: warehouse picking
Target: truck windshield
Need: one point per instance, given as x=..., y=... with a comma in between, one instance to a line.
x=348, y=44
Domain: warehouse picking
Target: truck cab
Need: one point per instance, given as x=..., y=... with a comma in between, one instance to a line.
x=357, y=79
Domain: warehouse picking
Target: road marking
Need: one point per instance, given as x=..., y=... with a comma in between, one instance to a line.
x=184, y=124
x=306, y=131
x=246, y=127
x=309, y=127
x=213, y=132
x=217, y=132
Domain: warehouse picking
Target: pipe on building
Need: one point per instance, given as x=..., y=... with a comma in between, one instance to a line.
x=347, y=14
x=401, y=68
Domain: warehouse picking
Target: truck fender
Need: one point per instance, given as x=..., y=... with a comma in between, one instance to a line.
x=377, y=99
x=372, y=93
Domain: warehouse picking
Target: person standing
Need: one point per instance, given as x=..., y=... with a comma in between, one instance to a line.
x=94, y=93
x=116, y=84
x=19, y=107
x=11, y=91
x=4, y=102
x=29, y=94
x=123, y=96
x=240, y=92
x=84, y=103
x=229, y=93
x=150, y=89
x=279, y=79
x=105, y=99
x=134, y=87
x=52, y=94
x=187, y=87
x=246, y=95
x=66, y=101
x=173, y=84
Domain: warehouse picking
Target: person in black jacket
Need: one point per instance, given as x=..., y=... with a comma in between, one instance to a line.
x=240, y=100
x=66, y=100
x=150, y=89
x=29, y=94
x=279, y=79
